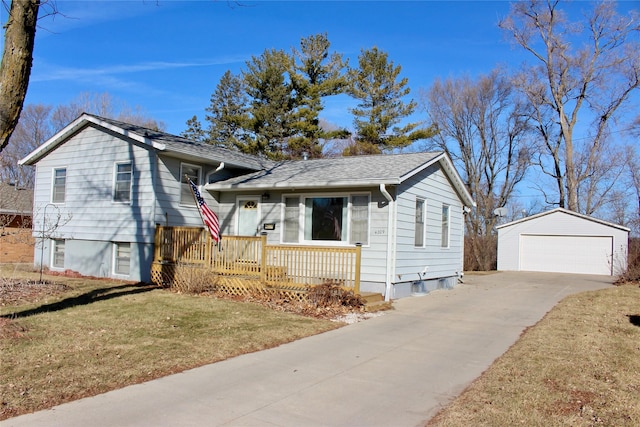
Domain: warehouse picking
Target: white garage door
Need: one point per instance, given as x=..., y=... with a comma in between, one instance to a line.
x=566, y=254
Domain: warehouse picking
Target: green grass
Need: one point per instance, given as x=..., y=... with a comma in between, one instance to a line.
x=579, y=366
x=101, y=335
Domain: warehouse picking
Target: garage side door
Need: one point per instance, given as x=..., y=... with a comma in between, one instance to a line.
x=566, y=254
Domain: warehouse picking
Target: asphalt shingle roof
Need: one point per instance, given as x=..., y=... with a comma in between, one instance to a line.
x=338, y=172
x=331, y=172
x=178, y=144
x=15, y=200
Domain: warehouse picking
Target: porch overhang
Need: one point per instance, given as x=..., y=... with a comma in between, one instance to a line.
x=292, y=186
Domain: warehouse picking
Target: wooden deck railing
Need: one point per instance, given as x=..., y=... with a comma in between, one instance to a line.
x=316, y=265
x=244, y=255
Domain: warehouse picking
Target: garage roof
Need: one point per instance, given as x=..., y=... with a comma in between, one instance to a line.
x=568, y=212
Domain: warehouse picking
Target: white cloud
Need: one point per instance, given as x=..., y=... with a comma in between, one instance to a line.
x=43, y=72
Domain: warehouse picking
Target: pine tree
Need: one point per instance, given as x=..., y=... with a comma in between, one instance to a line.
x=228, y=113
x=317, y=74
x=374, y=83
x=272, y=109
x=272, y=103
x=194, y=130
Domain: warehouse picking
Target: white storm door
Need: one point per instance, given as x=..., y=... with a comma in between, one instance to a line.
x=248, y=216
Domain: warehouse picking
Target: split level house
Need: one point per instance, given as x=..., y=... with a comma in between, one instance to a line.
x=113, y=184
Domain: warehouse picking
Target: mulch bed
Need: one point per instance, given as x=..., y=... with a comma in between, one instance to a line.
x=21, y=291
x=15, y=292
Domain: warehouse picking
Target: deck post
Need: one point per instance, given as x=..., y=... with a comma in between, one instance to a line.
x=356, y=283
x=207, y=249
x=263, y=257
x=157, y=244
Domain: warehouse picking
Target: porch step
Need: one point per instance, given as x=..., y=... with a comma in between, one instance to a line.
x=374, y=302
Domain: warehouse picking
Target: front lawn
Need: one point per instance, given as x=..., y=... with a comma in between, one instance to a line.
x=77, y=337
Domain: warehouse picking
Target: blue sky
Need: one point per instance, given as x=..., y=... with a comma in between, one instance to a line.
x=167, y=56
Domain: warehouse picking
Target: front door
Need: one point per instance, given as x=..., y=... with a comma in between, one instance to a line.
x=248, y=216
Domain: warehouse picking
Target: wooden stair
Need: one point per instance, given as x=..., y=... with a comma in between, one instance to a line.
x=375, y=302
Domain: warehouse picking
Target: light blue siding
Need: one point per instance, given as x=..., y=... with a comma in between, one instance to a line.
x=432, y=185
x=431, y=261
x=89, y=220
x=89, y=212
x=168, y=210
x=95, y=258
x=374, y=257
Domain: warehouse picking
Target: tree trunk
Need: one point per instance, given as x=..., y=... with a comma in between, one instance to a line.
x=17, y=58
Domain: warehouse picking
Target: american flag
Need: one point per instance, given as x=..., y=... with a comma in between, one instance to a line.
x=209, y=217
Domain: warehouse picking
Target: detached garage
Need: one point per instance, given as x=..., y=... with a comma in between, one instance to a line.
x=562, y=241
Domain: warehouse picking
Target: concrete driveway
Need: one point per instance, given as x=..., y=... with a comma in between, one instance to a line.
x=394, y=370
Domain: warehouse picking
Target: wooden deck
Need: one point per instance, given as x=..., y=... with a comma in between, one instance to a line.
x=181, y=251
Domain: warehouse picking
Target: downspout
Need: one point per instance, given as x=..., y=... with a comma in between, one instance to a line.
x=206, y=179
x=154, y=184
x=465, y=212
x=390, y=233
x=218, y=169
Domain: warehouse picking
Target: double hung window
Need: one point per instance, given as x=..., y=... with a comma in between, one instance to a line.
x=57, y=253
x=122, y=258
x=59, y=185
x=122, y=183
x=445, y=226
x=419, y=223
x=193, y=173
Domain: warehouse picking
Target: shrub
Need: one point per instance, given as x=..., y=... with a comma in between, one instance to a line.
x=192, y=280
x=633, y=263
x=480, y=253
x=331, y=294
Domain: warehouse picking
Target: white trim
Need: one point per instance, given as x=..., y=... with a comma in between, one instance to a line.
x=115, y=180
x=343, y=185
x=349, y=212
x=301, y=197
x=448, y=208
x=424, y=223
x=54, y=244
x=114, y=259
x=192, y=203
x=250, y=197
x=283, y=216
x=391, y=224
x=53, y=185
x=77, y=125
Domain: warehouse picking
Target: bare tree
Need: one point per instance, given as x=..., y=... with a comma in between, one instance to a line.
x=34, y=128
x=40, y=122
x=576, y=88
x=483, y=129
x=104, y=105
x=633, y=168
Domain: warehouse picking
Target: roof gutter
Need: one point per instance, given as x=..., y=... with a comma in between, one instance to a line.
x=75, y=126
x=285, y=185
x=390, y=238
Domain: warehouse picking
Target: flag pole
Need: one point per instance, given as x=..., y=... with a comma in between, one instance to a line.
x=195, y=199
